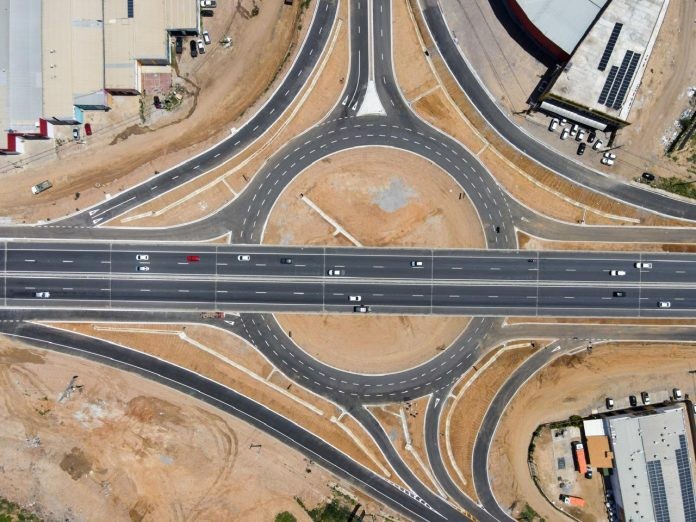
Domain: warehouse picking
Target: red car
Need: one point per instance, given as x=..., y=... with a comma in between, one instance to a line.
x=193, y=259
x=88, y=129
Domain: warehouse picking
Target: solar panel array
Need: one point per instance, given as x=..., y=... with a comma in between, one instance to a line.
x=657, y=491
x=619, y=78
x=610, y=46
x=626, y=81
x=130, y=8
x=685, y=480
x=607, y=84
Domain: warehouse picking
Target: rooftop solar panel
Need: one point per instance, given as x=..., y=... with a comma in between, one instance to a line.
x=657, y=491
x=610, y=46
x=619, y=78
x=627, y=80
x=607, y=84
x=685, y=480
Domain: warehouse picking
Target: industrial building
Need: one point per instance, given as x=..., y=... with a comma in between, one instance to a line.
x=59, y=58
x=602, y=48
x=651, y=454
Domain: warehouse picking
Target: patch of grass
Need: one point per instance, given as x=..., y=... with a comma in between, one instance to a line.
x=11, y=512
x=529, y=515
x=677, y=186
x=337, y=510
x=285, y=516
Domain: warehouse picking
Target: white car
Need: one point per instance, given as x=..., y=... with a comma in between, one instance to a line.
x=643, y=265
x=610, y=155
x=581, y=135
x=416, y=264
x=565, y=134
x=208, y=3
x=243, y=257
x=617, y=273
x=664, y=304
x=142, y=257
x=335, y=272
x=206, y=37
x=42, y=295
x=355, y=298
x=553, y=124
x=143, y=268
x=596, y=145
x=361, y=309
x=607, y=161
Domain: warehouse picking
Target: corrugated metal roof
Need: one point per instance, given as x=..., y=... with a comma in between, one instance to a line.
x=563, y=22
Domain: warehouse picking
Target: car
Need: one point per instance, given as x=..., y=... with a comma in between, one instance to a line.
x=609, y=155
x=361, y=309
x=607, y=161
x=207, y=13
x=588, y=473
x=193, y=259
x=335, y=272
x=88, y=129
x=286, y=260
x=609, y=403
x=581, y=135
x=564, y=121
x=44, y=185
x=632, y=400
x=574, y=129
x=194, y=49
x=201, y=47
x=615, y=273
x=553, y=124
x=208, y=3
x=206, y=38
x=142, y=257
x=647, y=176
x=581, y=149
x=640, y=264
x=157, y=102
x=676, y=394
x=592, y=136
x=664, y=304
x=354, y=298
x=179, y=45
x=597, y=145
x=243, y=257
x=565, y=134
x=645, y=397
x=416, y=264
x=76, y=133
x=619, y=293
x=143, y=268
x=42, y=295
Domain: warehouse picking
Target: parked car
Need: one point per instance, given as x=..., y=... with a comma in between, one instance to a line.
x=194, y=49
x=581, y=135
x=581, y=149
x=553, y=124
x=208, y=3
x=632, y=400
x=76, y=133
x=645, y=397
x=597, y=145
x=361, y=309
x=206, y=37
x=676, y=394
x=88, y=129
x=207, y=13
x=565, y=134
x=648, y=177
x=592, y=136
x=201, y=47
x=609, y=155
x=44, y=185
x=610, y=403
x=179, y=45
x=607, y=161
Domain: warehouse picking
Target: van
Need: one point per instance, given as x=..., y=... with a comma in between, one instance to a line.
x=44, y=185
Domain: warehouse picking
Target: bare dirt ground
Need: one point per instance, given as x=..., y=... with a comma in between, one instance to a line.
x=511, y=74
x=382, y=197
x=223, y=87
x=169, y=456
x=528, y=242
x=367, y=345
x=575, y=385
x=521, y=177
x=227, y=359
x=216, y=188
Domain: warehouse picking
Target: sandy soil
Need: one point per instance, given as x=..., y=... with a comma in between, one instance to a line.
x=521, y=177
x=119, y=155
x=125, y=448
x=511, y=74
x=528, y=242
x=218, y=187
x=364, y=344
x=576, y=385
x=382, y=197
x=467, y=410
x=229, y=360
